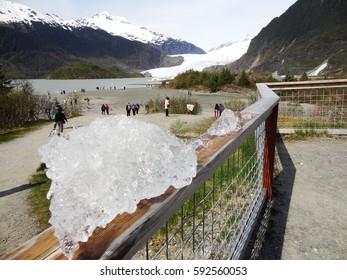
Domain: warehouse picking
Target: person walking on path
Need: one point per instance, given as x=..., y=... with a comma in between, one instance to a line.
x=107, y=108
x=55, y=110
x=216, y=110
x=167, y=106
x=221, y=109
x=133, y=107
x=128, y=109
x=103, y=108
x=60, y=119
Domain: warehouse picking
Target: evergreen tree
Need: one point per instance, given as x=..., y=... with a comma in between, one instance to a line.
x=304, y=77
x=244, y=80
x=289, y=77
x=213, y=84
x=225, y=77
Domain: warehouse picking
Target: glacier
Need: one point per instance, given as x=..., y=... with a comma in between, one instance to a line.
x=222, y=55
x=105, y=169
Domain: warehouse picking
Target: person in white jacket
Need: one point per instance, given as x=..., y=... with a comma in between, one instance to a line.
x=167, y=106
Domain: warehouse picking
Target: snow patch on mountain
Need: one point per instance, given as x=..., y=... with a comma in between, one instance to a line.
x=319, y=69
x=16, y=13
x=221, y=55
x=120, y=26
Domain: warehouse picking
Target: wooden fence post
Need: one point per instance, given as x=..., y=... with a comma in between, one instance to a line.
x=269, y=152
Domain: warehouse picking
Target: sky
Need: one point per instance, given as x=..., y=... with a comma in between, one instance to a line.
x=204, y=23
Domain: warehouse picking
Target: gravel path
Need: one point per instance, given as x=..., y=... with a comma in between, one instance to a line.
x=308, y=218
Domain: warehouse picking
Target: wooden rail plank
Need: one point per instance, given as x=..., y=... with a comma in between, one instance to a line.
x=319, y=84
x=38, y=248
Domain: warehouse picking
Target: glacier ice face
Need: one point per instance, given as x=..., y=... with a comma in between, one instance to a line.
x=228, y=122
x=105, y=169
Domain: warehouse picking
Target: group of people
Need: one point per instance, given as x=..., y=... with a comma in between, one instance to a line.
x=218, y=110
x=132, y=107
x=105, y=109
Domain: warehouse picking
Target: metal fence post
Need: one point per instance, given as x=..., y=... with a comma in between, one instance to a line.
x=269, y=152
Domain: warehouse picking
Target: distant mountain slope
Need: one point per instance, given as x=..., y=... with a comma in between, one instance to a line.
x=32, y=44
x=35, y=51
x=115, y=25
x=309, y=33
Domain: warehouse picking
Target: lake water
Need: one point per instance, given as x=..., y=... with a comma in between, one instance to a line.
x=42, y=86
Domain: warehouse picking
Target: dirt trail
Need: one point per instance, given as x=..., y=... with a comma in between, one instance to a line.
x=308, y=218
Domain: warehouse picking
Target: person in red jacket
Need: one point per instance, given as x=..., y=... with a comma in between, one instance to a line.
x=107, y=108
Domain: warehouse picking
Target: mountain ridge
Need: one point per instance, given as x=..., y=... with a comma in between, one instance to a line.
x=308, y=34
x=12, y=13
x=35, y=51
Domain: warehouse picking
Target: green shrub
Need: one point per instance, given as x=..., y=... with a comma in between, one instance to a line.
x=236, y=105
x=178, y=105
x=214, y=81
x=244, y=80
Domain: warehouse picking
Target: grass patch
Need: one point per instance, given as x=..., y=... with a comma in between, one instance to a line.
x=11, y=134
x=38, y=202
x=304, y=134
x=236, y=105
x=201, y=127
x=180, y=130
x=306, y=124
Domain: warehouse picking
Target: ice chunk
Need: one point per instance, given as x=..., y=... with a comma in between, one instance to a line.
x=228, y=122
x=105, y=169
x=196, y=143
x=247, y=115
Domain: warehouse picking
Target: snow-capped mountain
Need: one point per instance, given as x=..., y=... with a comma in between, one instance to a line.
x=117, y=26
x=220, y=55
x=18, y=13
x=120, y=26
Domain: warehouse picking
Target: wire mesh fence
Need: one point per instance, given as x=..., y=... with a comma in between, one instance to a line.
x=313, y=108
x=213, y=222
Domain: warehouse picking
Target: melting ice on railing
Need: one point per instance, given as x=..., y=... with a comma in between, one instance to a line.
x=105, y=169
x=228, y=122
